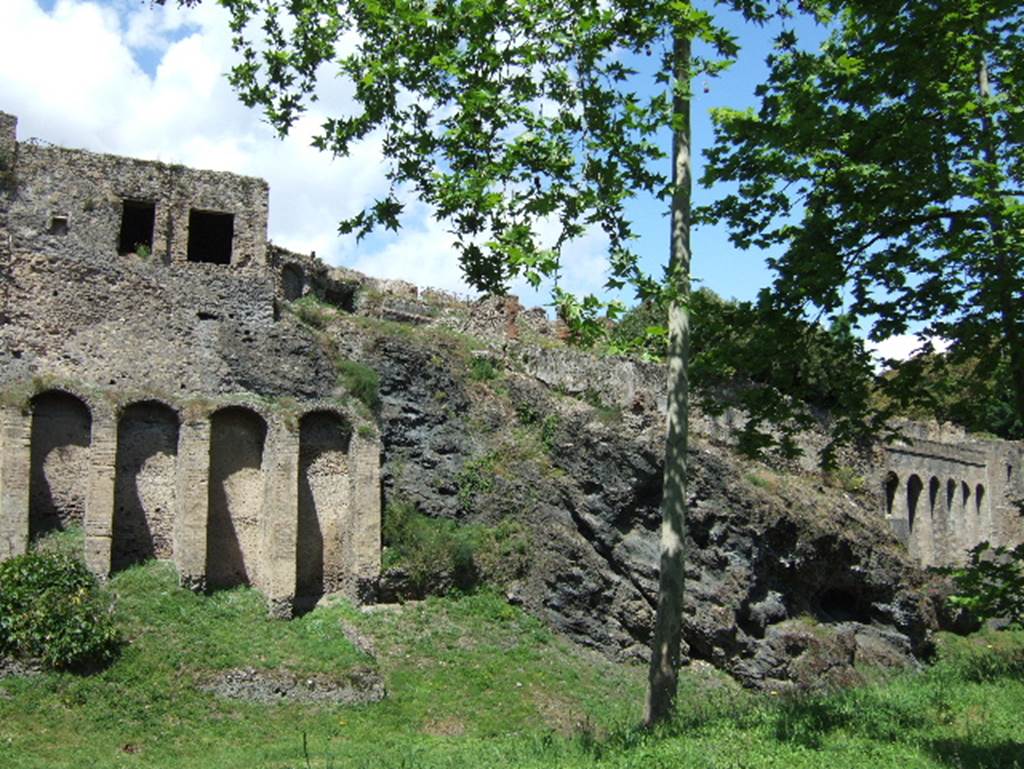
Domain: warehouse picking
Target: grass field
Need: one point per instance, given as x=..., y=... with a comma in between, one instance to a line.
x=473, y=682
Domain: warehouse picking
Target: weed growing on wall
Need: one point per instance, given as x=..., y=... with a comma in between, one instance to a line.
x=475, y=478
x=51, y=609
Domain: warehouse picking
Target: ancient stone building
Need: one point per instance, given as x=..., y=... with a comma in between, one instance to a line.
x=944, y=492
x=152, y=392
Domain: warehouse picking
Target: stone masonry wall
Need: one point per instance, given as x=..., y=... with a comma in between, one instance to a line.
x=157, y=400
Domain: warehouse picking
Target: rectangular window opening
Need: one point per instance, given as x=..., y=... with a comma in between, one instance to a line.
x=137, y=219
x=209, y=236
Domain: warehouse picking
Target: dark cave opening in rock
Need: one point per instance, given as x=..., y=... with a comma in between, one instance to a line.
x=841, y=605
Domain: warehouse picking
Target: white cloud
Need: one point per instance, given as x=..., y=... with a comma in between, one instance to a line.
x=902, y=347
x=120, y=76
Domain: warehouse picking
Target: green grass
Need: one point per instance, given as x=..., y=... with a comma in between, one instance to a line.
x=473, y=682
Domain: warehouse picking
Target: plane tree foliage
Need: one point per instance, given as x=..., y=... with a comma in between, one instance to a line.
x=886, y=172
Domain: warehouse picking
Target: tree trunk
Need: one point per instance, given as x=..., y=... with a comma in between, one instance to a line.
x=662, y=678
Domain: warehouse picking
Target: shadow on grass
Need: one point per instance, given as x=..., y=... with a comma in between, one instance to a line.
x=963, y=755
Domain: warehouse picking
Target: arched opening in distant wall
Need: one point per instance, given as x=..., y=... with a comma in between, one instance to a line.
x=965, y=498
x=950, y=495
x=237, y=439
x=59, y=462
x=933, y=494
x=324, y=501
x=145, y=487
x=914, y=488
x=292, y=282
x=979, y=498
x=891, y=485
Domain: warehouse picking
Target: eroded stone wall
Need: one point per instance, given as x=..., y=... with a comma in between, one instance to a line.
x=72, y=202
x=153, y=395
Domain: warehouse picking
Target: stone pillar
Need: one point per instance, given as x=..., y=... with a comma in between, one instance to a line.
x=193, y=499
x=364, y=565
x=15, y=458
x=99, y=501
x=280, y=523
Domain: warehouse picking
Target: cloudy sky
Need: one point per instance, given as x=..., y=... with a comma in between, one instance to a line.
x=123, y=77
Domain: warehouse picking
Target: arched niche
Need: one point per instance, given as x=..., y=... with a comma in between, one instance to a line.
x=233, y=532
x=145, y=485
x=914, y=488
x=324, y=502
x=934, y=485
x=889, y=489
x=59, y=461
x=293, y=282
x=979, y=499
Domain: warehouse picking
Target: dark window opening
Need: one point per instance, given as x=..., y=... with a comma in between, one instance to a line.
x=137, y=218
x=209, y=237
x=59, y=225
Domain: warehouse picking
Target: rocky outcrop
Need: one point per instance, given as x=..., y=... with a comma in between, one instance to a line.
x=790, y=582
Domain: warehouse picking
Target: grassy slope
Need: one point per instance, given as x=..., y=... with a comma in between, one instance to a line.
x=473, y=682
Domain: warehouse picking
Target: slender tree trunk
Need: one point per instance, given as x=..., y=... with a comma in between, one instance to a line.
x=662, y=678
x=1005, y=279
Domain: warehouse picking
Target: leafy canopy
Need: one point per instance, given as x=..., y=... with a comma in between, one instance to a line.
x=887, y=169
x=502, y=115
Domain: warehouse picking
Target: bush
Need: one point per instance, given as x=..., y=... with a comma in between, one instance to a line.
x=991, y=585
x=439, y=554
x=51, y=609
x=361, y=381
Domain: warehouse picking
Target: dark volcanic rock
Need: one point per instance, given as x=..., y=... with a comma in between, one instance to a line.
x=789, y=583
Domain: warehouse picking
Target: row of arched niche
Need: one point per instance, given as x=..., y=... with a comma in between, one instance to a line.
x=148, y=486
x=943, y=519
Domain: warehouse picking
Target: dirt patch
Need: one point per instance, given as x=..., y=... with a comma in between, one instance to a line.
x=357, y=687
x=11, y=668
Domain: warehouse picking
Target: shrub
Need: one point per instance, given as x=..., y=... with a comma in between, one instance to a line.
x=51, y=609
x=991, y=585
x=439, y=554
x=312, y=311
x=482, y=370
x=361, y=381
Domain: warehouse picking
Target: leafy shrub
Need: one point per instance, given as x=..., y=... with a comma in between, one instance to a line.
x=991, y=585
x=51, y=609
x=439, y=554
x=482, y=370
x=476, y=477
x=361, y=381
x=312, y=311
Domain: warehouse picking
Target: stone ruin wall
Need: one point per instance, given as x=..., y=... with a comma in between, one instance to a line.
x=159, y=399
x=136, y=388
